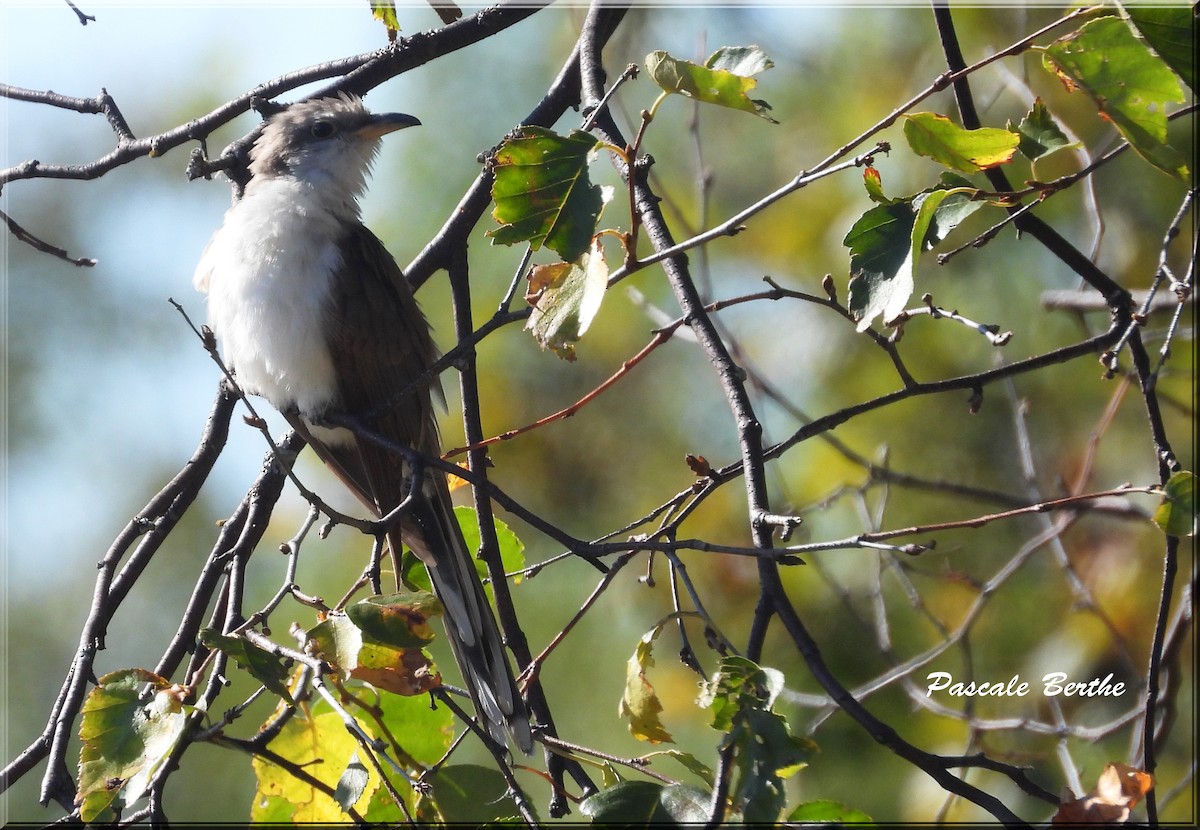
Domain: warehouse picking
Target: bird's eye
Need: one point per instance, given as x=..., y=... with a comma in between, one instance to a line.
x=323, y=129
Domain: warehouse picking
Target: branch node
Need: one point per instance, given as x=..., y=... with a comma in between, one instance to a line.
x=786, y=524
x=829, y=287
x=975, y=402
x=1108, y=360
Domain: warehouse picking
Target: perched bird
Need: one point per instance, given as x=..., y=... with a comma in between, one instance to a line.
x=312, y=313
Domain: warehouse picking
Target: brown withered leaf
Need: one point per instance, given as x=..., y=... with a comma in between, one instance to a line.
x=1118, y=790
x=404, y=672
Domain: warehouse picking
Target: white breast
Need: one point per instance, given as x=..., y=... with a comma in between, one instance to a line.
x=267, y=272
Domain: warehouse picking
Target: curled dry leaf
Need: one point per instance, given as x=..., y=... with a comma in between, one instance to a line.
x=1118, y=790
x=566, y=297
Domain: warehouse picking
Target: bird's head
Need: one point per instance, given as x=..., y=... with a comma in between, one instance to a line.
x=328, y=143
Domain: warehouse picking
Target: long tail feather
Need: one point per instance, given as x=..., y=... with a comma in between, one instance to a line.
x=470, y=624
x=432, y=532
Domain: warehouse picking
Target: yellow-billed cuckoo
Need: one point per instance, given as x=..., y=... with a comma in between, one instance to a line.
x=313, y=314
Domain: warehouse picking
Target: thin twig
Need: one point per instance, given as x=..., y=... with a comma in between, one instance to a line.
x=45, y=247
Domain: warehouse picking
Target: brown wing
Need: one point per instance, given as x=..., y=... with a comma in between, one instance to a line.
x=381, y=347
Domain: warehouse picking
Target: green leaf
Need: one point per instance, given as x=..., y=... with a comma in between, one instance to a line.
x=427, y=732
x=925, y=232
x=542, y=191
x=398, y=620
x=337, y=641
x=740, y=696
x=639, y=702
x=271, y=809
x=723, y=80
x=940, y=211
x=413, y=573
x=1130, y=85
x=937, y=137
x=1039, y=133
x=263, y=666
x=512, y=549
x=766, y=753
x=737, y=685
x=382, y=810
x=687, y=805
x=1171, y=32
x=886, y=242
x=689, y=761
x=638, y=803
x=470, y=794
x=627, y=803
x=566, y=298
x=512, y=552
x=881, y=262
x=954, y=209
x=130, y=724
x=1176, y=516
x=828, y=812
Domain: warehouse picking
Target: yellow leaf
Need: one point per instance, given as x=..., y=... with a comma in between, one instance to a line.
x=455, y=481
x=640, y=704
x=323, y=747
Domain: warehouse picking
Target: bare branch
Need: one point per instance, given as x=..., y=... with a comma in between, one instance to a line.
x=45, y=247
x=359, y=74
